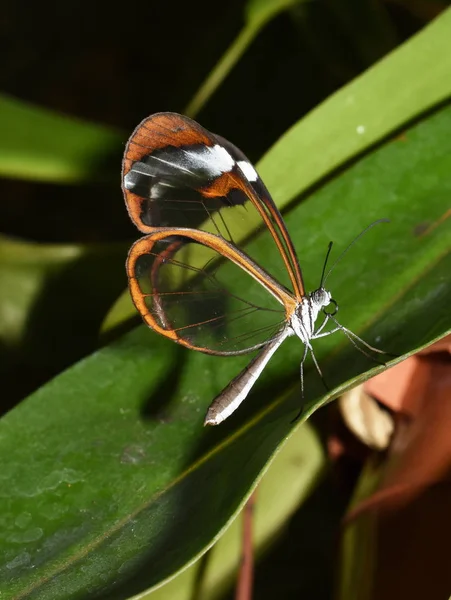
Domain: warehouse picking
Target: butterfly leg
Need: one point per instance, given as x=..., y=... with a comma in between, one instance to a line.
x=318, y=368
x=301, y=372
x=351, y=334
x=323, y=324
x=301, y=369
x=326, y=333
x=353, y=338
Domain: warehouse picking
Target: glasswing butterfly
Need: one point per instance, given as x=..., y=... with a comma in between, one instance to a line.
x=188, y=190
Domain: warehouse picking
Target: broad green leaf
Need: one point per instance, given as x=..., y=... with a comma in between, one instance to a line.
x=399, y=88
x=301, y=462
x=42, y=145
x=111, y=485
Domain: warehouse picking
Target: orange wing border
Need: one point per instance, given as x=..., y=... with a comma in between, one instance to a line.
x=224, y=248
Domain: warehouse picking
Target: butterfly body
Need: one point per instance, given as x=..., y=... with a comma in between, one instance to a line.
x=306, y=314
x=188, y=190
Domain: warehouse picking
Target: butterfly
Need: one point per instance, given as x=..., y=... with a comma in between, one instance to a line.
x=190, y=191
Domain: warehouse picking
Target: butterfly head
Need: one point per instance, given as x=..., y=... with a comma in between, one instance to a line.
x=305, y=316
x=321, y=299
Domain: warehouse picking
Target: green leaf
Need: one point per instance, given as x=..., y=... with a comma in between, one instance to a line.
x=41, y=145
x=53, y=298
x=51, y=275
x=385, y=98
x=24, y=268
x=111, y=485
x=300, y=461
x=260, y=12
x=358, y=545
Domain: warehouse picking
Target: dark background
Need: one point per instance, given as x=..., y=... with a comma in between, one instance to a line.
x=116, y=64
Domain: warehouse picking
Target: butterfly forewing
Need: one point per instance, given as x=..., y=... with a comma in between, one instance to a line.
x=216, y=307
x=169, y=159
x=178, y=174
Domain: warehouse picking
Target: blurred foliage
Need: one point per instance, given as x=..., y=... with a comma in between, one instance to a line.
x=95, y=469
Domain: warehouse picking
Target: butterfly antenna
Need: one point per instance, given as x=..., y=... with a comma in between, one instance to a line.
x=323, y=280
x=329, y=248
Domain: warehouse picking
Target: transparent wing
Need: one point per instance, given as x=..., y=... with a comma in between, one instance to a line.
x=178, y=174
x=204, y=293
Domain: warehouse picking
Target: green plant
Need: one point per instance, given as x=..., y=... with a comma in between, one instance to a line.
x=109, y=484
